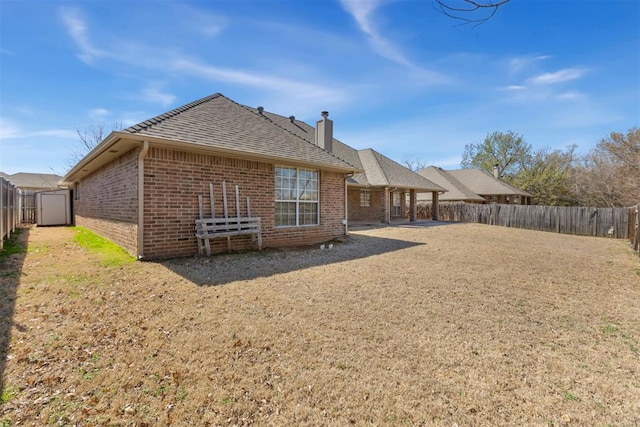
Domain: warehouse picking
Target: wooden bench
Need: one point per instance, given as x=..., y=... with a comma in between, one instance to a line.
x=211, y=228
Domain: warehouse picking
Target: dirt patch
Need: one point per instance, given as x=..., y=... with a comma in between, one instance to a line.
x=462, y=324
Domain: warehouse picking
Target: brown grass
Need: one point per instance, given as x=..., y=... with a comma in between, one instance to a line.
x=462, y=324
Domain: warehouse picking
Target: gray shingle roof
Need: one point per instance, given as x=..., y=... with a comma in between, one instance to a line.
x=379, y=169
x=485, y=184
x=456, y=191
x=218, y=122
x=382, y=171
x=34, y=181
x=308, y=133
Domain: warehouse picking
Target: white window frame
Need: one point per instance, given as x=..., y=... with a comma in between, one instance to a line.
x=298, y=202
x=365, y=198
x=397, y=203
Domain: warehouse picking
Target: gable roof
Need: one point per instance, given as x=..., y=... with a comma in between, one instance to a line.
x=34, y=181
x=218, y=122
x=217, y=125
x=457, y=191
x=485, y=184
x=381, y=171
x=378, y=170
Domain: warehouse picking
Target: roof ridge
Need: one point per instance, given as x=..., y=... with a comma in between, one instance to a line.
x=378, y=166
x=251, y=110
x=164, y=116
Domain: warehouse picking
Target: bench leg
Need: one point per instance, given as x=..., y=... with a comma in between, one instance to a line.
x=207, y=246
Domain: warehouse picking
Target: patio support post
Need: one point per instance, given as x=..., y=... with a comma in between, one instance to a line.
x=412, y=204
x=386, y=208
x=435, y=209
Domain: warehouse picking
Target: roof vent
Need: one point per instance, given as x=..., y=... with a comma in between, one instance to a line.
x=260, y=110
x=292, y=119
x=325, y=114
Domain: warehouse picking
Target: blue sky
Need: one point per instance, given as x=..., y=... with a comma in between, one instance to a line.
x=396, y=76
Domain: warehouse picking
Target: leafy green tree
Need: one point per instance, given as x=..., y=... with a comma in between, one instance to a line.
x=508, y=151
x=549, y=176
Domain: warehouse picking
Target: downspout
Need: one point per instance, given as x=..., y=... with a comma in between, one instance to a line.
x=345, y=222
x=141, y=156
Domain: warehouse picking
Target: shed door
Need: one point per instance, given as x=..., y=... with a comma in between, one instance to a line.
x=53, y=209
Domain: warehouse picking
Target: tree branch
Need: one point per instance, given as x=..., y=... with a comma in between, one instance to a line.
x=468, y=7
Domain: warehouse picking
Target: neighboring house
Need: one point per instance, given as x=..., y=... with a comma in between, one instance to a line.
x=379, y=192
x=32, y=182
x=139, y=187
x=472, y=186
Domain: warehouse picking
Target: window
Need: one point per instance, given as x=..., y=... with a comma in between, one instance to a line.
x=365, y=198
x=397, y=207
x=296, y=197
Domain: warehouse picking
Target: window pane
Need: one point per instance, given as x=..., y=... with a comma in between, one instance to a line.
x=285, y=213
x=308, y=214
x=308, y=185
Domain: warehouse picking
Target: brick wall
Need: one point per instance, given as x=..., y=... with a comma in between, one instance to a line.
x=365, y=213
x=106, y=201
x=174, y=179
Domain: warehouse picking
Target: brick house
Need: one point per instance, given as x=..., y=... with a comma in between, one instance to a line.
x=472, y=186
x=139, y=187
x=382, y=191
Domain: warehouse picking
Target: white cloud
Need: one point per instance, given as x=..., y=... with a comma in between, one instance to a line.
x=154, y=94
x=172, y=63
x=570, y=96
x=297, y=89
x=203, y=22
x=99, y=113
x=77, y=29
x=362, y=12
x=522, y=63
x=9, y=130
x=559, y=76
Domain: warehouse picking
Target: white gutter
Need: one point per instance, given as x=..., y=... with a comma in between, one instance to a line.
x=141, y=156
x=345, y=221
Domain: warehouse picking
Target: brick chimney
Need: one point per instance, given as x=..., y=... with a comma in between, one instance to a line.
x=324, y=132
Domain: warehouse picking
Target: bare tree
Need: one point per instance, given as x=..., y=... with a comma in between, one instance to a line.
x=474, y=12
x=90, y=137
x=610, y=174
x=415, y=165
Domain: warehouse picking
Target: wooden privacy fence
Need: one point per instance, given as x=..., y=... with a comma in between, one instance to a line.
x=9, y=209
x=583, y=221
x=28, y=208
x=634, y=228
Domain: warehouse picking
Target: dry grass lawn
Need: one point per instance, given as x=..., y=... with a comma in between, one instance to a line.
x=461, y=324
